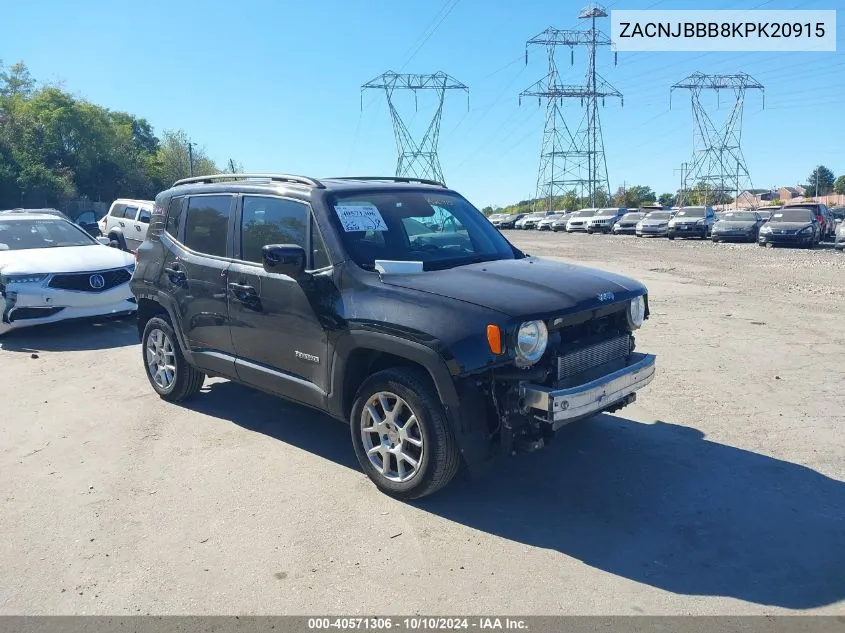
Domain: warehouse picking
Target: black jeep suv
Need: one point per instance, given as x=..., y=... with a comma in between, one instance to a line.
x=389, y=303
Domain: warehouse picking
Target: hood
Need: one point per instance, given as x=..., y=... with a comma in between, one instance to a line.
x=531, y=287
x=64, y=259
x=685, y=220
x=654, y=222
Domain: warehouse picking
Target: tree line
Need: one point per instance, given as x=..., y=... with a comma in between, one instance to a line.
x=55, y=147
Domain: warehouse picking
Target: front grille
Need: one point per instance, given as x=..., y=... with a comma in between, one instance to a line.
x=86, y=282
x=592, y=356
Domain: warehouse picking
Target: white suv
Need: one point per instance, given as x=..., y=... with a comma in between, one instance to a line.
x=604, y=220
x=127, y=221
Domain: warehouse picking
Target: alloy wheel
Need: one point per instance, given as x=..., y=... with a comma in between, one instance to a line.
x=392, y=437
x=161, y=359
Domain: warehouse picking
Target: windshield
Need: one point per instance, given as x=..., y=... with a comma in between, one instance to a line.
x=536, y=216
x=18, y=235
x=441, y=230
x=605, y=212
x=584, y=213
x=691, y=212
x=633, y=216
x=792, y=215
x=658, y=215
x=738, y=217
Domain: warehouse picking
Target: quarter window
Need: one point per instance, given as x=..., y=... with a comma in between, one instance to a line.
x=206, y=224
x=268, y=220
x=174, y=217
x=319, y=255
x=117, y=210
x=130, y=212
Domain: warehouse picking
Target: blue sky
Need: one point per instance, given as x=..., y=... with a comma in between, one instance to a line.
x=276, y=85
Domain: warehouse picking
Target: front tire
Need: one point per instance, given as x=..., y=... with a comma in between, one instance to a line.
x=401, y=435
x=170, y=375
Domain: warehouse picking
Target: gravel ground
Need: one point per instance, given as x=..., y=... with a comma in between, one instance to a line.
x=719, y=492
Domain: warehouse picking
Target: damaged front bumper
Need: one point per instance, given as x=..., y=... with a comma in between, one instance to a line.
x=562, y=406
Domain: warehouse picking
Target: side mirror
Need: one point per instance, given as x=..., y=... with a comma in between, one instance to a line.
x=285, y=259
x=838, y=221
x=102, y=239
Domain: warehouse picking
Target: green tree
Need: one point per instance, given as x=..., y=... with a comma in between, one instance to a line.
x=820, y=182
x=16, y=80
x=839, y=185
x=55, y=146
x=667, y=199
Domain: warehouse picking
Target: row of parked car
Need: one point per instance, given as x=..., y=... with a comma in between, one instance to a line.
x=799, y=223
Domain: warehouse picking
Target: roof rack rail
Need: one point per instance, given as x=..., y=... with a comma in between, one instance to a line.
x=408, y=179
x=302, y=180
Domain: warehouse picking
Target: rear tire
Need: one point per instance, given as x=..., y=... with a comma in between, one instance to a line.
x=409, y=430
x=170, y=375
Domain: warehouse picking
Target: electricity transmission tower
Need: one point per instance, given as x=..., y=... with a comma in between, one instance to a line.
x=572, y=160
x=717, y=163
x=416, y=159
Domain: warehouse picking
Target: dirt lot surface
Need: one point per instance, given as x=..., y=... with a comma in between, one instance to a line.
x=720, y=492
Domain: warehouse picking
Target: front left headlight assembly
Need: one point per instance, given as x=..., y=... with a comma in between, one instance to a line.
x=636, y=312
x=531, y=340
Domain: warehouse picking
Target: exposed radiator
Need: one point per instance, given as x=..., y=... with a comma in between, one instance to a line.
x=576, y=362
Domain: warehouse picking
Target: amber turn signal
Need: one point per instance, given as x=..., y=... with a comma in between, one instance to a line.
x=494, y=338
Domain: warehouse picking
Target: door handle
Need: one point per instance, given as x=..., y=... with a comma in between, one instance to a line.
x=177, y=277
x=137, y=227
x=242, y=288
x=121, y=224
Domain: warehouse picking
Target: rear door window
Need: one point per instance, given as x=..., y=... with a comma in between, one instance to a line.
x=207, y=223
x=144, y=216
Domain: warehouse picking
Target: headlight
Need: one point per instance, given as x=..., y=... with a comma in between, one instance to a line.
x=636, y=312
x=806, y=229
x=22, y=279
x=663, y=226
x=531, y=341
x=639, y=225
x=766, y=229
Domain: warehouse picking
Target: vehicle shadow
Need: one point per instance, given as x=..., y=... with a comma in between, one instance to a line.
x=661, y=505
x=655, y=503
x=290, y=423
x=106, y=333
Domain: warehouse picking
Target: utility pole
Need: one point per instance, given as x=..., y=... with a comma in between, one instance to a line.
x=572, y=160
x=817, y=182
x=191, y=157
x=416, y=159
x=232, y=165
x=680, y=198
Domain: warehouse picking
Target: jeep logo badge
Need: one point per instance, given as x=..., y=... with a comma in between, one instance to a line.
x=96, y=282
x=605, y=296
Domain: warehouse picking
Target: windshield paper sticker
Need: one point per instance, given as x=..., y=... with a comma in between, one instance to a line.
x=360, y=217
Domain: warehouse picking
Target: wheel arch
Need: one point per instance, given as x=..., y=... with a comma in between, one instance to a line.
x=358, y=355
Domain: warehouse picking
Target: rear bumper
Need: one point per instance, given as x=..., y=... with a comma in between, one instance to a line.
x=561, y=406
